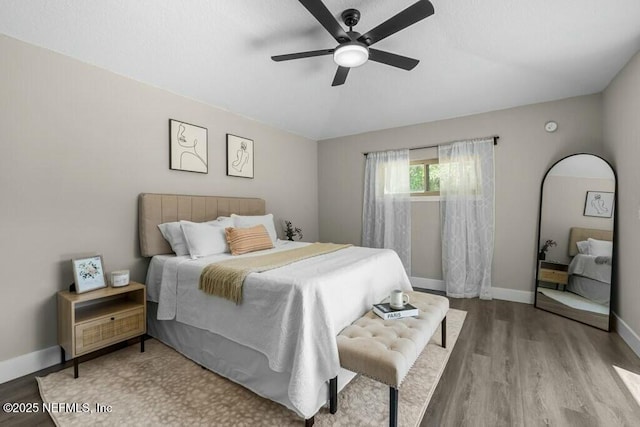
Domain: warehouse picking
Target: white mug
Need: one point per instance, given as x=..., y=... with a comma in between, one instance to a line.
x=397, y=299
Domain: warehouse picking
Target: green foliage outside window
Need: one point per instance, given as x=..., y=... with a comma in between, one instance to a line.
x=416, y=178
x=424, y=177
x=434, y=177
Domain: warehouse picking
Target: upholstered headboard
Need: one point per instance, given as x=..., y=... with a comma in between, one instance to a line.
x=578, y=234
x=154, y=209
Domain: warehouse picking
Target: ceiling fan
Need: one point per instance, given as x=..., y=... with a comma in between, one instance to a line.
x=354, y=48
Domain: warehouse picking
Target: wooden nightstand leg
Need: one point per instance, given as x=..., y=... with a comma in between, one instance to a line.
x=141, y=343
x=75, y=368
x=63, y=356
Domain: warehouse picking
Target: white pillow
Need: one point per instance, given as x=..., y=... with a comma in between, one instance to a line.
x=241, y=221
x=600, y=247
x=172, y=233
x=583, y=247
x=223, y=221
x=204, y=238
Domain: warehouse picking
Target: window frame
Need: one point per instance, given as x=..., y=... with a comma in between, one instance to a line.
x=426, y=163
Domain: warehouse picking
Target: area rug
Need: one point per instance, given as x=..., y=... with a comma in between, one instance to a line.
x=160, y=387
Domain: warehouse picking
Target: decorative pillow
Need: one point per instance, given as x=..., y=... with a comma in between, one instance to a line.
x=204, y=238
x=172, y=233
x=244, y=240
x=600, y=247
x=241, y=221
x=583, y=247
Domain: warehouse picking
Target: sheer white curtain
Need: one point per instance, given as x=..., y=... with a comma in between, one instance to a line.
x=386, y=213
x=467, y=216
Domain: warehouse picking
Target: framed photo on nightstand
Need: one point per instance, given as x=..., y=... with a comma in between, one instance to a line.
x=88, y=273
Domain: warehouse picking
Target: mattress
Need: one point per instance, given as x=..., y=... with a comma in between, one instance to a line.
x=289, y=315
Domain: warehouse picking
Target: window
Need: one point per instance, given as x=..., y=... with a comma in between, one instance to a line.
x=424, y=177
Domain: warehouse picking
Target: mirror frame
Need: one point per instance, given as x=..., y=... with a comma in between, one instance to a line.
x=615, y=238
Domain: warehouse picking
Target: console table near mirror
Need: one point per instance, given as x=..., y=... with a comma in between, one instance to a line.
x=576, y=231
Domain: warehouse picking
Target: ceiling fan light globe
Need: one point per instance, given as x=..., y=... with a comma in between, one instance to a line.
x=351, y=55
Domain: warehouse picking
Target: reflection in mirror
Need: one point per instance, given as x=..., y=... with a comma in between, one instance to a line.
x=575, y=239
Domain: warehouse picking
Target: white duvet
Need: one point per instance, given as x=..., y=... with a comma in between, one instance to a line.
x=586, y=266
x=290, y=314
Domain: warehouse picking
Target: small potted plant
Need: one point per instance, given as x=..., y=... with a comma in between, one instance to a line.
x=542, y=255
x=290, y=231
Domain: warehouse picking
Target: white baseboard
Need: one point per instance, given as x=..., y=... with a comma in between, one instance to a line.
x=627, y=334
x=28, y=363
x=505, y=294
x=428, y=284
x=497, y=293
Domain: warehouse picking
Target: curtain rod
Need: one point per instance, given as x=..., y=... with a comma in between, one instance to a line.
x=495, y=142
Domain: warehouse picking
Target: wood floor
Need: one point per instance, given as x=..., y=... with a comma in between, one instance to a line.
x=513, y=365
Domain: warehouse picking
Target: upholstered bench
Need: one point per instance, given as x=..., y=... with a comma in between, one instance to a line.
x=385, y=350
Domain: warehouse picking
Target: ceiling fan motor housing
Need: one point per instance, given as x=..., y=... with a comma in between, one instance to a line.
x=351, y=17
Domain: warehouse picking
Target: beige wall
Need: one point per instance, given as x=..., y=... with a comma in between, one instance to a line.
x=78, y=146
x=563, y=208
x=621, y=112
x=524, y=153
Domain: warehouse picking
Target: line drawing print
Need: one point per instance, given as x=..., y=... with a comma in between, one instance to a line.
x=597, y=203
x=182, y=140
x=188, y=147
x=242, y=157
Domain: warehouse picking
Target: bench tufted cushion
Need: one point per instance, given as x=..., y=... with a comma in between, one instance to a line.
x=385, y=350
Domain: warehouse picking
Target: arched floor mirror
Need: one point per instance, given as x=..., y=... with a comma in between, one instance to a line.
x=576, y=229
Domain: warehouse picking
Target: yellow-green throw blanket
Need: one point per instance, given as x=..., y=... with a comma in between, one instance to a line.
x=225, y=278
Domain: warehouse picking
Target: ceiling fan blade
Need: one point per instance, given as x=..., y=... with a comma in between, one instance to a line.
x=341, y=76
x=392, y=59
x=414, y=13
x=299, y=55
x=326, y=19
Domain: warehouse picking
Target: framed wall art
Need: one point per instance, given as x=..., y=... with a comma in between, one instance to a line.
x=239, y=156
x=188, y=147
x=88, y=273
x=599, y=203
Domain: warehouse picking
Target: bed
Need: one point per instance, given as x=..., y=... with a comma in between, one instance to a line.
x=590, y=275
x=280, y=341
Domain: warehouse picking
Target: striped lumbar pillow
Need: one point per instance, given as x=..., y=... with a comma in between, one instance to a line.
x=243, y=240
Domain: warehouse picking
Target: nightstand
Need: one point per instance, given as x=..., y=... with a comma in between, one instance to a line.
x=97, y=319
x=553, y=272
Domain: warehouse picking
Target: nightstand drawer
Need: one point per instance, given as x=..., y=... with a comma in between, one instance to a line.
x=109, y=329
x=554, y=276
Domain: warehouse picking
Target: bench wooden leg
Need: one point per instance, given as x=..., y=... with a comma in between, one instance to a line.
x=444, y=332
x=333, y=395
x=393, y=407
x=309, y=422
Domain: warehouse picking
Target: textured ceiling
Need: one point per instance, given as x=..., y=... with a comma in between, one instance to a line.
x=475, y=55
